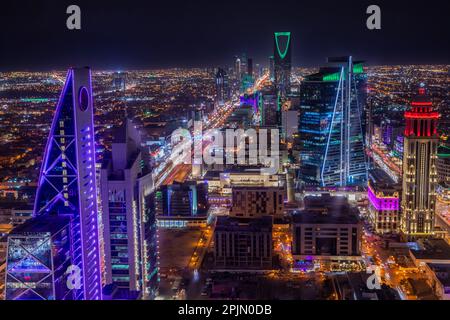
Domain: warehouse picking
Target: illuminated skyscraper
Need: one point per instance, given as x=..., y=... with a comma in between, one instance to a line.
x=330, y=129
x=119, y=80
x=345, y=162
x=282, y=61
x=271, y=68
x=419, y=168
x=237, y=69
x=268, y=108
x=129, y=216
x=243, y=64
x=222, y=87
x=65, y=213
x=250, y=67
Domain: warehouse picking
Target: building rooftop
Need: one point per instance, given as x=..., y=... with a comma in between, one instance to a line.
x=327, y=210
x=381, y=181
x=444, y=152
x=257, y=188
x=432, y=249
x=379, y=177
x=442, y=272
x=227, y=223
x=235, y=170
x=358, y=284
x=323, y=72
x=43, y=223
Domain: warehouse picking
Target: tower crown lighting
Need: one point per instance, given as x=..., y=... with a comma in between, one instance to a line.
x=421, y=119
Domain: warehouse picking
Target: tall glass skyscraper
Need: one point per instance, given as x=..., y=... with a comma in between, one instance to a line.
x=317, y=96
x=65, y=212
x=345, y=160
x=330, y=126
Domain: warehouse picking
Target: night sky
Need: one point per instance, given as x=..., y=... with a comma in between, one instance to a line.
x=150, y=34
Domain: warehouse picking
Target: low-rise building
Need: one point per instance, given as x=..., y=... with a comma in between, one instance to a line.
x=439, y=279
x=384, y=202
x=430, y=251
x=328, y=228
x=243, y=243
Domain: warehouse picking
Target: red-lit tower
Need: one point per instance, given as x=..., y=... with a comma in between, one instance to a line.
x=419, y=168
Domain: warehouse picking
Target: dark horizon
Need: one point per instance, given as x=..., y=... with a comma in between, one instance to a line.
x=143, y=35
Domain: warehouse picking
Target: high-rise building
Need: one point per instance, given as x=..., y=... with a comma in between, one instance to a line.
x=282, y=61
x=183, y=199
x=419, y=168
x=268, y=105
x=443, y=164
x=222, y=87
x=289, y=124
x=443, y=171
x=317, y=100
x=119, y=81
x=250, y=67
x=129, y=225
x=243, y=65
x=65, y=202
x=330, y=129
x=238, y=69
x=444, y=122
x=258, y=71
x=271, y=68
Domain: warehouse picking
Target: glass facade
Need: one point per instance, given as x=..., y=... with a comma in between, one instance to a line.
x=119, y=238
x=345, y=161
x=331, y=128
x=37, y=261
x=316, y=112
x=150, y=248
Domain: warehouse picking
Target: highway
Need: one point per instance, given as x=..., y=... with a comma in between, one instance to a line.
x=163, y=172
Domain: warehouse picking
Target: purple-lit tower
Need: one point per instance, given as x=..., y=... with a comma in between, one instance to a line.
x=66, y=193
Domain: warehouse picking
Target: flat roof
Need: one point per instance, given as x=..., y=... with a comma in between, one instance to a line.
x=379, y=177
x=327, y=210
x=227, y=223
x=442, y=272
x=432, y=249
x=43, y=223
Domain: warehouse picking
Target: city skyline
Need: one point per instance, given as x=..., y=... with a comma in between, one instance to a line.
x=298, y=154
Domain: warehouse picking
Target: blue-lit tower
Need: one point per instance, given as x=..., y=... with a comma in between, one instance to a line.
x=345, y=160
x=65, y=202
x=330, y=126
